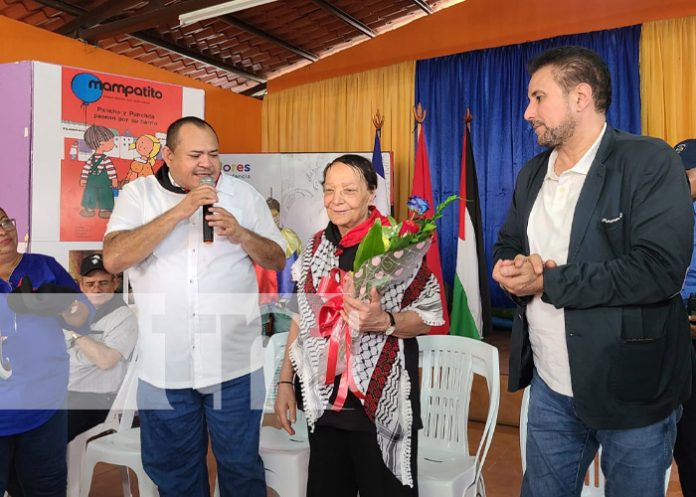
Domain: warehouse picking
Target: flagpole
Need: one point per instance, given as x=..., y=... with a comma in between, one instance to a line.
x=422, y=187
x=378, y=165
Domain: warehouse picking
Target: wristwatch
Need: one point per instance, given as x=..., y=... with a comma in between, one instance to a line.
x=392, y=324
x=73, y=337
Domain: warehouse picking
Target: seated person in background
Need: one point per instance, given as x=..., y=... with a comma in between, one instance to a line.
x=98, y=361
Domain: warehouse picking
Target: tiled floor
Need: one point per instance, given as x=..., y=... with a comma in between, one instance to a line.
x=502, y=470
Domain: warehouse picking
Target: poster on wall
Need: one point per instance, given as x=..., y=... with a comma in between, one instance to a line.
x=294, y=180
x=112, y=130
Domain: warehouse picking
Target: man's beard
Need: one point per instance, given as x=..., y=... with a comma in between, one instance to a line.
x=553, y=137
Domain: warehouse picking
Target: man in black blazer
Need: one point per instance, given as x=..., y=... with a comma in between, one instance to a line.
x=594, y=251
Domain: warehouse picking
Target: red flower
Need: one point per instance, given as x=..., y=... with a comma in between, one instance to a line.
x=408, y=226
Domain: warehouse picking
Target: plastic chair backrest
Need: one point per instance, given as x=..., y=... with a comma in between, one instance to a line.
x=122, y=412
x=448, y=365
x=272, y=362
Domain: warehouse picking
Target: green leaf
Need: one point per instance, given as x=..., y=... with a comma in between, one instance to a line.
x=441, y=207
x=371, y=245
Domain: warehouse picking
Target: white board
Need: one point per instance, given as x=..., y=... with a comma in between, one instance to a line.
x=295, y=181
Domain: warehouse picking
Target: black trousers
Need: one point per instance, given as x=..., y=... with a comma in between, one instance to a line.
x=685, y=447
x=86, y=410
x=343, y=462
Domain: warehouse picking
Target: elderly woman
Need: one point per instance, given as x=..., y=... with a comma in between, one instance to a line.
x=367, y=442
x=33, y=310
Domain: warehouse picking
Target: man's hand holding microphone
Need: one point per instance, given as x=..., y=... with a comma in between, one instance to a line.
x=216, y=220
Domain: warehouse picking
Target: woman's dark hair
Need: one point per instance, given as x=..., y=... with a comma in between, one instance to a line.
x=360, y=164
x=575, y=65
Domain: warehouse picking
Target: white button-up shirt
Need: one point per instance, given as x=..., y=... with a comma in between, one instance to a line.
x=548, y=230
x=197, y=303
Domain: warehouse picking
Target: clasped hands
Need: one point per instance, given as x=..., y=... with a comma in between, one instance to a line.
x=523, y=275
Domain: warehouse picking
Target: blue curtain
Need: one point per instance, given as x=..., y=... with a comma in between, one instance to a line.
x=493, y=84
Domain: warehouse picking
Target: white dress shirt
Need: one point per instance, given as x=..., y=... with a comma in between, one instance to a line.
x=550, y=222
x=197, y=303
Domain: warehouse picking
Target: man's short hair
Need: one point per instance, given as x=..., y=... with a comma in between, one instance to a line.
x=173, y=129
x=575, y=65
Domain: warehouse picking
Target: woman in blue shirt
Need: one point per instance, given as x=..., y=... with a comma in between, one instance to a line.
x=34, y=362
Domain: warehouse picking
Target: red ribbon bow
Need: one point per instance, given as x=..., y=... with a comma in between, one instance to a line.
x=333, y=327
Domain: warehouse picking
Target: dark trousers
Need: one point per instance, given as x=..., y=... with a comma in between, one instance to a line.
x=87, y=410
x=685, y=447
x=34, y=461
x=343, y=463
x=174, y=428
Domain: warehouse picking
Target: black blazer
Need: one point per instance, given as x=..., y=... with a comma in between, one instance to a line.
x=630, y=246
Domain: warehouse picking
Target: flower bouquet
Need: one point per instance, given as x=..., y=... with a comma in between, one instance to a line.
x=387, y=255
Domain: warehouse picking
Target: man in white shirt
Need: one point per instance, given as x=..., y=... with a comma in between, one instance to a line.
x=594, y=252
x=197, y=312
x=98, y=361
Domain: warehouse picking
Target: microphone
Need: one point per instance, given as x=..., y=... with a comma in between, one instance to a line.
x=207, y=229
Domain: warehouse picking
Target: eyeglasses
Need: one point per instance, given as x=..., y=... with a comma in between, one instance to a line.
x=8, y=224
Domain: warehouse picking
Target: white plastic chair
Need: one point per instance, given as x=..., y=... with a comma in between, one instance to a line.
x=285, y=457
x=448, y=364
x=78, y=445
x=594, y=480
x=122, y=447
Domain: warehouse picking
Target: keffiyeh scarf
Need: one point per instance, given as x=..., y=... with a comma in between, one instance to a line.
x=378, y=367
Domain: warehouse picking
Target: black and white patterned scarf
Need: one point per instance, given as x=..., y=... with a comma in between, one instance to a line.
x=386, y=387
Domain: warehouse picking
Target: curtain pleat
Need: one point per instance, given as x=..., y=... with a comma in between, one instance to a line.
x=335, y=115
x=668, y=79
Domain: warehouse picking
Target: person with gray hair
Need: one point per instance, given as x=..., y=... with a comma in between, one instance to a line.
x=98, y=361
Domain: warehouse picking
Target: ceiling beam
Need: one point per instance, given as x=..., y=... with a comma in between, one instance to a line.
x=239, y=24
x=95, y=15
x=423, y=4
x=150, y=19
x=345, y=17
x=254, y=91
x=153, y=39
x=62, y=6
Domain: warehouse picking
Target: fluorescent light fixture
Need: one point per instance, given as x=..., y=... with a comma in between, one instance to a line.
x=219, y=10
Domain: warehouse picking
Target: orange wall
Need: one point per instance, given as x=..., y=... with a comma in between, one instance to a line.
x=476, y=24
x=237, y=119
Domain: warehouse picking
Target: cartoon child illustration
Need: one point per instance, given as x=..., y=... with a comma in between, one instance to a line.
x=98, y=174
x=147, y=146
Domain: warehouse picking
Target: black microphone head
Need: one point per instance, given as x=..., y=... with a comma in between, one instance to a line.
x=207, y=180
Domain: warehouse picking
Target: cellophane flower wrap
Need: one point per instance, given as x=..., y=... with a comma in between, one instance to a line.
x=386, y=256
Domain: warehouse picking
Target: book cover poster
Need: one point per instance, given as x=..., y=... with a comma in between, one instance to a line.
x=113, y=129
